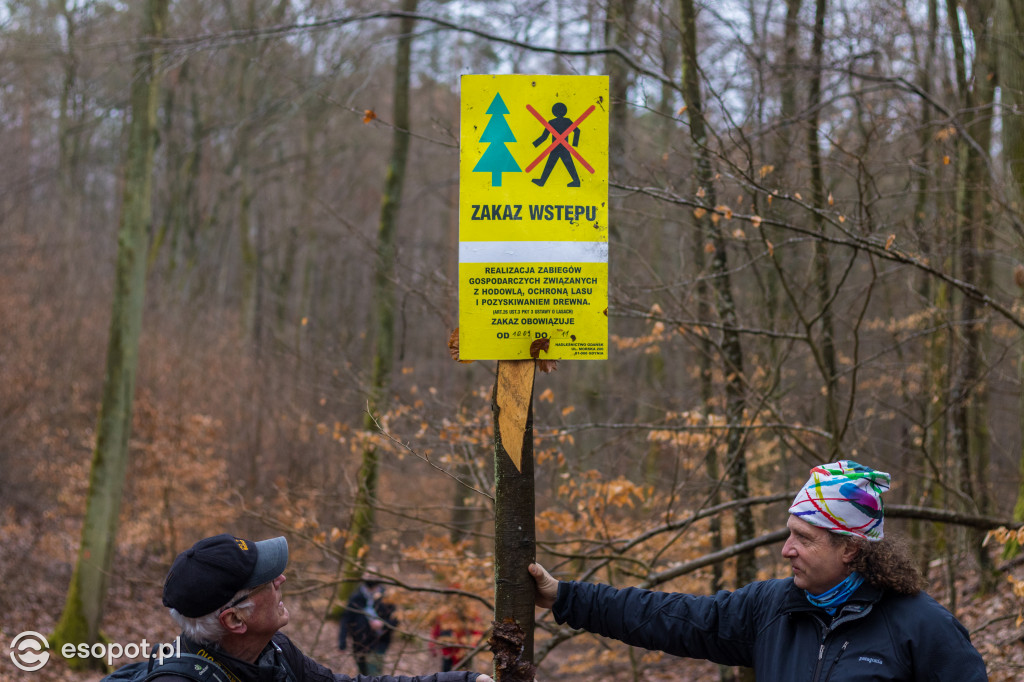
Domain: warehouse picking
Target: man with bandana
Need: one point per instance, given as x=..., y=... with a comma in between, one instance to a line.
x=853, y=609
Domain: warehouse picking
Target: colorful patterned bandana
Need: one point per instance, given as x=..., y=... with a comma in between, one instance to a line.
x=845, y=498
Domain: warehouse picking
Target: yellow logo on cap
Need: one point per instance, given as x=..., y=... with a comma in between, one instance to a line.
x=241, y=544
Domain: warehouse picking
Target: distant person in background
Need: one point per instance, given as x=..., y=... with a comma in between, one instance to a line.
x=369, y=621
x=443, y=642
x=452, y=634
x=225, y=594
x=853, y=610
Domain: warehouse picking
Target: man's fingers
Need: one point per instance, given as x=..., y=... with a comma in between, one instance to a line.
x=547, y=586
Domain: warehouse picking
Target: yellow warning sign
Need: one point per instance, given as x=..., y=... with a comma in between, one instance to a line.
x=533, y=217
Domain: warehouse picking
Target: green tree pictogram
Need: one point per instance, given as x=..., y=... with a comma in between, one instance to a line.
x=497, y=159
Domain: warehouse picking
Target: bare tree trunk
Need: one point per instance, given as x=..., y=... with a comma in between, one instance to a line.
x=70, y=116
x=245, y=84
x=936, y=446
x=826, y=354
x=83, y=608
x=515, y=543
x=968, y=399
x=918, y=487
x=785, y=144
x=252, y=228
x=360, y=531
x=731, y=348
x=68, y=123
x=181, y=218
x=618, y=27
x=1010, y=39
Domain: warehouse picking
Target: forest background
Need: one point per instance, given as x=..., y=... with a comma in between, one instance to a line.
x=816, y=253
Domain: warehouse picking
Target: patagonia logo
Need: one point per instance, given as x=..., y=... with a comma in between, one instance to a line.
x=869, y=659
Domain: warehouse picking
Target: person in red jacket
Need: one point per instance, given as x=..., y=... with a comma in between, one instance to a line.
x=453, y=633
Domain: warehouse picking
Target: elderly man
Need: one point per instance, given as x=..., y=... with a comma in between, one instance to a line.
x=225, y=593
x=853, y=610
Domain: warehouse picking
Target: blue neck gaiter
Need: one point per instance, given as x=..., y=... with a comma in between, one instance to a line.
x=832, y=599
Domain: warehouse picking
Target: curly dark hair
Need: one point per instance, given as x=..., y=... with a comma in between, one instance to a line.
x=886, y=564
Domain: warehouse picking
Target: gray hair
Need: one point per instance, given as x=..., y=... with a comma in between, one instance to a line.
x=208, y=629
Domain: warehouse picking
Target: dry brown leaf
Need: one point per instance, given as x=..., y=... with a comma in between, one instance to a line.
x=369, y=115
x=453, y=347
x=547, y=366
x=542, y=344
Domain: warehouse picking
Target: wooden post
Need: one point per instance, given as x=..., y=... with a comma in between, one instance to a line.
x=514, y=530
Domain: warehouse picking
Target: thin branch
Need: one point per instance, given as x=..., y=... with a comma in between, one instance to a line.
x=873, y=246
x=426, y=459
x=217, y=40
x=714, y=558
x=700, y=428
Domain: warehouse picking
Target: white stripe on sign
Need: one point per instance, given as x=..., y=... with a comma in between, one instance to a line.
x=533, y=252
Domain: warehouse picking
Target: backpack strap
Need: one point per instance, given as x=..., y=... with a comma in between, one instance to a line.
x=187, y=665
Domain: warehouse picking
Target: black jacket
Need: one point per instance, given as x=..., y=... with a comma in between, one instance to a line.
x=355, y=623
x=282, y=661
x=771, y=627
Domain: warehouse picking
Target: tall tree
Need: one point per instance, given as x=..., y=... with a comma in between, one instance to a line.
x=976, y=83
x=360, y=530
x=1010, y=41
x=731, y=349
x=618, y=32
x=83, y=608
x=69, y=114
x=514, y=524
x=932, y=438
x=825, y=353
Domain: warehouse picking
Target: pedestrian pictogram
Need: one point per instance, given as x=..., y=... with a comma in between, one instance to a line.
x=559, y=128
x=497, y=159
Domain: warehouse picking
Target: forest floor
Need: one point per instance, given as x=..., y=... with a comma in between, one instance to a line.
x=35, y=585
